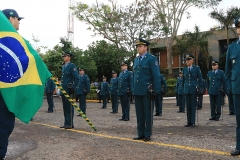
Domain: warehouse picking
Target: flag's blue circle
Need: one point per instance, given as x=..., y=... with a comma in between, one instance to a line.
x=13, y=60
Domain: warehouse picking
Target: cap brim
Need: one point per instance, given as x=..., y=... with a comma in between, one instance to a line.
x=19, y=18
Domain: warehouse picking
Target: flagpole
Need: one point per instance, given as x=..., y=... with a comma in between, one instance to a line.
x=73, y=103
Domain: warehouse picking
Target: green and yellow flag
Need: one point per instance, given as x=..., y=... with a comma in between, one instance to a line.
x=22, y=73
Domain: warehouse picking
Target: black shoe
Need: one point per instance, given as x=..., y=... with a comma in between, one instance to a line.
x=49, y=111
x=121, y=119
x=69, y=127
x=147, y=139
x=138, y=138
x=192, y=125
x=179, y=111
x=198, y=108
x=79, y=115
x=216, y=119
x=212, y=118
x=115, y=112
x=103, y=107
x=126, y=119
x=235, y=153
x=156, y=114
x=62, y=127
x=231, y=113
x=187, y=125
x=111, y=112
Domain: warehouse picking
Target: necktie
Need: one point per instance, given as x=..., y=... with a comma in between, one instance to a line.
x=189, y=69
x=140, y=59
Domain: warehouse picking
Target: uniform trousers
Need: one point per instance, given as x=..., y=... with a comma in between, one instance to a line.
x=68, y=112
x=231, y=104
x=236, y=103
x=125, y=103
x=7, y=120
x=82, y=103
x=144, y=115
x=158, y=104
x=181, y=99
x=215, y=104
x=191, y=100
x=50, y=101
x=114, y=100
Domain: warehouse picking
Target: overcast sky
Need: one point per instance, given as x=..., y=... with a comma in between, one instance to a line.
x=47, y=20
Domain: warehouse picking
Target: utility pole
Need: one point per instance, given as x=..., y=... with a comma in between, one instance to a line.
x=70, y=23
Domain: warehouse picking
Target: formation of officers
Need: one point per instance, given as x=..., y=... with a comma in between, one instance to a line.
x=147, y=85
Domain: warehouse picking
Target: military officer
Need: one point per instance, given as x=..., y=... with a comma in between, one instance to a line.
x=146, y=76
x=113, y=92
x=125, y=90
x=49, y=89
x=200, y=95
x=7, y=118
x=181, y=96
x=232, y=73
x=69, y=82
x=104, y=92
x=191, y=75
x=159, y=98
x=216, y=85
x=83, y=89
x=230, y=99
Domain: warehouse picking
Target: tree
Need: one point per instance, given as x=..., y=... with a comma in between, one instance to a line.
x=226, y=18
x=197, y=44
x=170, y=14
x=118, y=24
x=105, y=57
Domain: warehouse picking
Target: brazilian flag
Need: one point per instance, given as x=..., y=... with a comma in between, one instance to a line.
x=22, y=73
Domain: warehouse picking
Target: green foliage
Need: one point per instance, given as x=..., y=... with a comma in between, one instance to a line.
x=105, y=56
x=171, y=81
x=121, y=25
x=226, y=18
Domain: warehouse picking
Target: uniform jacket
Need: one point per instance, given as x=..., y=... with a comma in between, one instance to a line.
x=50, y=86
x=69, y=76
x=146, y=72
x=216, y=82
x=232, y=70
x=84, y=85
x=180, y=86
x=163, y=84
x=190, y=79
x=124, y=82
x=104, y=88
x=113, y=86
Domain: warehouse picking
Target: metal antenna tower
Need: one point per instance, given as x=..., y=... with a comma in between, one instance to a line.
x=70, y=23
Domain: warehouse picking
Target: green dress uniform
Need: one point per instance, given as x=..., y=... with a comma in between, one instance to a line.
x=124, y=87
x=200, y=94
x=181, y=96
x=113, y=92
x=69, y=82
x=191, y=75
x=82, y=91
x=159, y=98
x=230, y=99
x=104, y=92
x=216, y=86
x=145, y=73
x=49, y=89
x=232, y=73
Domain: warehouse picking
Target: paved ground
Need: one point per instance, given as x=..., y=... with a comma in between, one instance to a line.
x=43, y=139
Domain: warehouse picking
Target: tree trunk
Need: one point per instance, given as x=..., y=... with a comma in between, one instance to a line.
x=169, y=60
